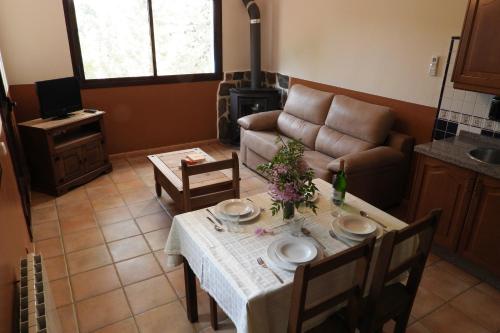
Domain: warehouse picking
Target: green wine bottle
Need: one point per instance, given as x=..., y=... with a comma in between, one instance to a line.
x=339, y=185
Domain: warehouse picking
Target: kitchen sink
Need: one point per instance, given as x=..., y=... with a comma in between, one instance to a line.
x=485, y=155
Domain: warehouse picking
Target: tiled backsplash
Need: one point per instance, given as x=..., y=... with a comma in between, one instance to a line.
x=463, y=110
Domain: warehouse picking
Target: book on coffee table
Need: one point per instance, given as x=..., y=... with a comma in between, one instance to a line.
x=194, y=158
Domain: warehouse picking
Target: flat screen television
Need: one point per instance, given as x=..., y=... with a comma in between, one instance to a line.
x=59, y=97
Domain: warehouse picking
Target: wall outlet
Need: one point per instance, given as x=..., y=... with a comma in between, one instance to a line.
x=433, y=66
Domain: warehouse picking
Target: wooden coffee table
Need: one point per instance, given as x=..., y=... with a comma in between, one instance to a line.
x=168, y=174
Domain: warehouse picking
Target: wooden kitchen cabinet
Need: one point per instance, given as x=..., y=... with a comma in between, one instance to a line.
x=470, y=221
x=480, y=241
x=441, y=185
x=477, y=66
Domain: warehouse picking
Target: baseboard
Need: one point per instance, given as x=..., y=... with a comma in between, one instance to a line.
x=162, y=149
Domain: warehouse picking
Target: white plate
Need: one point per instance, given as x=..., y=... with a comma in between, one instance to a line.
x=353, y=238
x=234, y=207
x=315, y=196
x=277, y=262
x=342, y=239
x=348, y=235
x=254, y=212
x=356, y=225
x=296, y=250
x=273, y=257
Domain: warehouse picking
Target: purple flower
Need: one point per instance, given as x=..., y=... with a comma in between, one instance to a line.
x=288, y=192
x=290, y=177
x=280, y=169
x=262, y=232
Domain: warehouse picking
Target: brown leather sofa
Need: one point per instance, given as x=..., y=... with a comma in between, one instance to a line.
x=377, y=160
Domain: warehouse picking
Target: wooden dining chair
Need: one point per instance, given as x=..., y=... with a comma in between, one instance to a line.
x=394, y=301
x=209, y=195
x=360, y=257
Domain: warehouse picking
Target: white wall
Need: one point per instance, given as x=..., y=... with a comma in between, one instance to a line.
x=236, y=35
x=381, y=47
x=34, y=41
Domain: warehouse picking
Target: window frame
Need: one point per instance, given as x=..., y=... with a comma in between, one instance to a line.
x=77, y=59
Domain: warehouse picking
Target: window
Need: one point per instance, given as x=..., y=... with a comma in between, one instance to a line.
x=125, y=42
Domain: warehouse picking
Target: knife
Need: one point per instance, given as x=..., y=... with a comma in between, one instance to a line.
x=215, y=217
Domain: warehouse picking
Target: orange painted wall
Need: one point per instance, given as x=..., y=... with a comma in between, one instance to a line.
x=142, y=117
x=14, y=239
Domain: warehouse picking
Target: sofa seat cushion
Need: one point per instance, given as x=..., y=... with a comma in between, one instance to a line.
x=263, y=142
x=298, y=129
x=319, y=163
x=336, y=144
x=364, y=121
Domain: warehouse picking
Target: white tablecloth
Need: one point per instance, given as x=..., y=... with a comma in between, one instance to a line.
x=226, y=263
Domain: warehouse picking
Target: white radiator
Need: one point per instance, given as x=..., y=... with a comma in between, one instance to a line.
x=38, y=313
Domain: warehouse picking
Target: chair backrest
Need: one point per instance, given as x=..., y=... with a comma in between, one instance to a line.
x=424, y=229
x=359, y=256
x=211, y=194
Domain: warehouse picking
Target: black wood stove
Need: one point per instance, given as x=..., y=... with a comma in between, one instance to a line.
x=246, y=101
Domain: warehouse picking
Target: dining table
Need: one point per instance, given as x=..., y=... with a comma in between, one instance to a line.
x=226, y=262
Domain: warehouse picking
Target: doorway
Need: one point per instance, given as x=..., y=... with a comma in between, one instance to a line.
x=14, y=145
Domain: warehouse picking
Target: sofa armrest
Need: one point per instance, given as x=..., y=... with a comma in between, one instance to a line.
x=261, y=121
x=401, y=142
x=368, y=160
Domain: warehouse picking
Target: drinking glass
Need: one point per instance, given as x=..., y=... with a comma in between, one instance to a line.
x=335, y=210
x=303, y=210
x=296, y=223
x=232, y=223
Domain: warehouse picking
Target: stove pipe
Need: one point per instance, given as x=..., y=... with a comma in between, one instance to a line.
x=254, y=14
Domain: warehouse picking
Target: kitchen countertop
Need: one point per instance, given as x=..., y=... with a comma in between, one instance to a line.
x=454, y=150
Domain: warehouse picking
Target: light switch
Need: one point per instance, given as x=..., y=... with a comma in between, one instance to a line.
x=433, y=66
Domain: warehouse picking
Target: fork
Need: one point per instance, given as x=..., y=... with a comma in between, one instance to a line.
x=263, y=264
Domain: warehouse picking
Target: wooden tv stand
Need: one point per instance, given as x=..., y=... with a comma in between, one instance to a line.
x=65, y=153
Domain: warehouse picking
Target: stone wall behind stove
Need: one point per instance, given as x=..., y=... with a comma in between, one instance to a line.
x=242, y=80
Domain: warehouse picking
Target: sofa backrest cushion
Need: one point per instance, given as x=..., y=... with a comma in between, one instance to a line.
x=298, y=129
x=304, y=113
x=361, y=120
x=336, y=144
x=308, y=104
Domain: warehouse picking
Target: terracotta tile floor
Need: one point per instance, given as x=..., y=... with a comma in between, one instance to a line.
x=103, y=243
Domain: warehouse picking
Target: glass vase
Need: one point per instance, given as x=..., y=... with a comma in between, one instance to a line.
x=288, y=210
